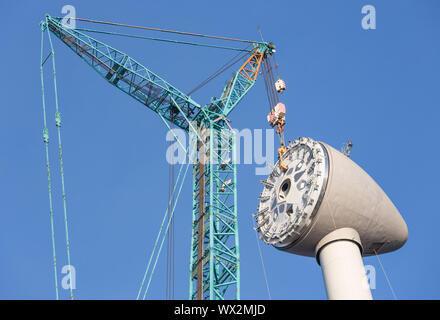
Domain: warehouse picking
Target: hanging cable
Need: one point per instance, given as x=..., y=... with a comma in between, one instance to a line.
x=273, y=94
x=168, y=238
x=166, y=215
x=157, y=241
x=267, y=83
x=267, y=86
x=166, y=230
x=261, y=260
x=170, y=235
x=60, y=151
x=163, y=236
x=172, y=232
x=276, y=65
x=270, y=83
x=385, y=274
x=46, y=144
x=190, y=157
x=172, y=273
x=272, y=80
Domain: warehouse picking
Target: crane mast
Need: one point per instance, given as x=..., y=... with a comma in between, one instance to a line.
x=215, y=256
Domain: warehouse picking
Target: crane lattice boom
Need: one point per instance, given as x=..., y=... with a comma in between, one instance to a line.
x=215, y=256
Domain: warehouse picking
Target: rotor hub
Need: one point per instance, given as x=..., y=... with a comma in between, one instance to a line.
x=291, y=199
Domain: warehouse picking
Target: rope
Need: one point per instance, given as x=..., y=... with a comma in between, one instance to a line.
x=276, y=65
x=164, y=218
x=60, y=151
x=160, y=39
x=266, y=82
x=172, y=232
x=158, y=235
x=272, y=79
x=222, y=69
x=166, y=230
x=46, y=143
x=266, y=85
x=262, y=261
x=273, y=95
x=261, y=34
x=386, y=276
x=164, y=30
x=269, y=87
x=169, y=293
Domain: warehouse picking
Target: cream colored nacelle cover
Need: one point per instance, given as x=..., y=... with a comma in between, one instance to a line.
x=332, y=192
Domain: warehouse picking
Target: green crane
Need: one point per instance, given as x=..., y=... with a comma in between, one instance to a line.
x=215, y=256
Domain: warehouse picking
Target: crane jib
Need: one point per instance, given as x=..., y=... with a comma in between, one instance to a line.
x=141, y=84
x=123, y=72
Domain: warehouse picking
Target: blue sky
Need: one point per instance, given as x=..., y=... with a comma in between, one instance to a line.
x=379, y=88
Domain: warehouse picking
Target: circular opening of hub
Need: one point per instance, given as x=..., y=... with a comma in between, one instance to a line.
x=284, y=189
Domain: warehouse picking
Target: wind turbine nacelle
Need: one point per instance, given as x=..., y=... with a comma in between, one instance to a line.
x=322, y=191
